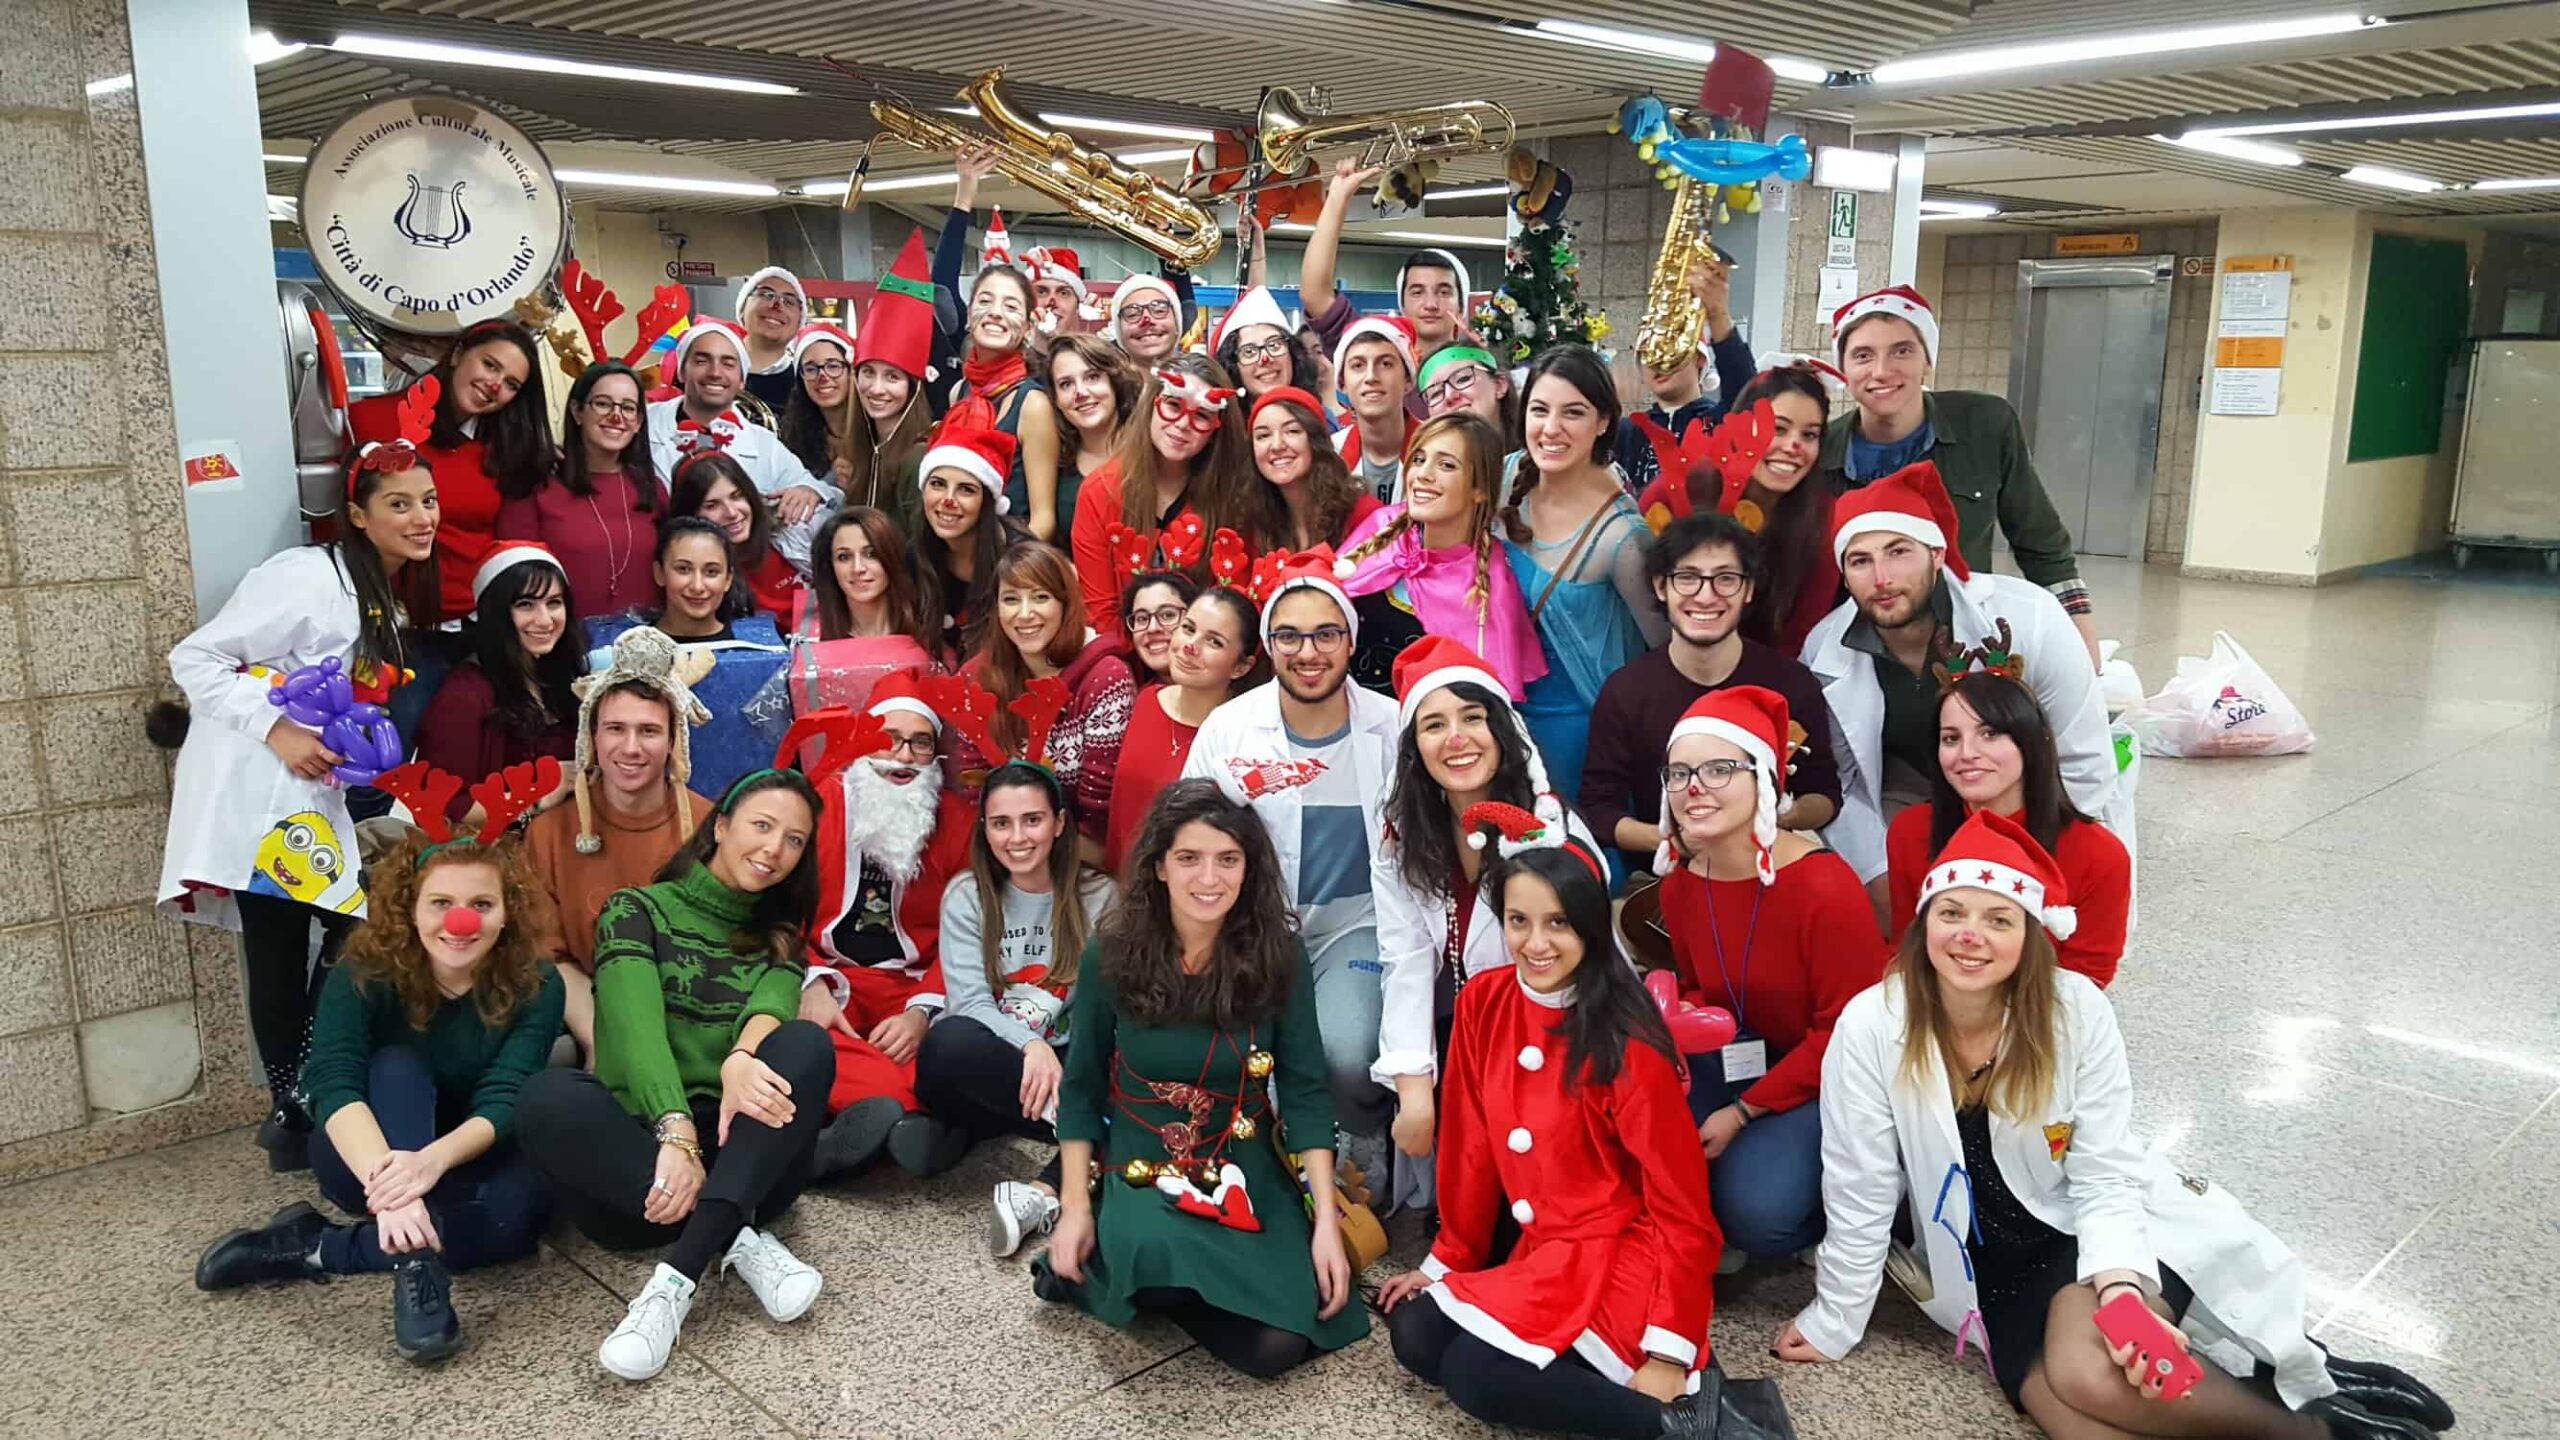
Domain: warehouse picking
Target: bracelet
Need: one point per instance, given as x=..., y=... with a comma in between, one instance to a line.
x=2114, y=1285
x=665, y=1127
x=1743, y=1108
x=674, y=1141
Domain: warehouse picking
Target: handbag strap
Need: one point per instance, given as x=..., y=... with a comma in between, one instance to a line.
x=1573, y=556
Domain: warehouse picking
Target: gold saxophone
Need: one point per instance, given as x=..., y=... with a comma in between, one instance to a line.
x=1088, y=184
x=1674, y=319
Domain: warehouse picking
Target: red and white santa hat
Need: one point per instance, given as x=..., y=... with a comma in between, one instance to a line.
x=968, y=441
x=673, y=373
x=1911, y=501
x=1995, y=853
x=1310, y=569
x=508, y=555
x=1754, y=720
x=1834, y=384
x=901, y=690
x=1435, y=662
x=1446, y=260
x=770, y=272
x=1899, y=301
x=1394, y=329
x=997, y=248
x=1253, y=307
x=812, y=334
x=1128, y=290
x=1057, y=262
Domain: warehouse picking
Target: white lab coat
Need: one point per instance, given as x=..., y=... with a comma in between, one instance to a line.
x=1413, y=930
x=767, y=461
x=2128, y=1207
x=2058, y=671
x=1245, y=748
x=232, y=801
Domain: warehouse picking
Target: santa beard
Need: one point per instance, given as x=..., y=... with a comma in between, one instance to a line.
x=889, y=822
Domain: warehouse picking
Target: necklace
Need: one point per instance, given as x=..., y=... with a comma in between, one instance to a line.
x=614, y=564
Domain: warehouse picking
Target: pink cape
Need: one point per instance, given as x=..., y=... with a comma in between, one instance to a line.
x=1435, y=584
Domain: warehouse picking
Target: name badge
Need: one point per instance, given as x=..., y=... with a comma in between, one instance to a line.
x=1745, y=1060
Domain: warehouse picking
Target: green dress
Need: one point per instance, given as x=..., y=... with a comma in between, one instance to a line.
x=1140, y=1241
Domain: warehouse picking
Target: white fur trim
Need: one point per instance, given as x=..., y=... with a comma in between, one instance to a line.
x=1763, y=759
x=1137, y=284
x=969, y=462
x=1449, y=259
x=1253, y=307
x=1334, y=592
x=1920, y=318
x=1433, y=1266
x=829, y=976
x=1489, y=1330
x=2008, y=883
x=771, y=272
x=506, y=557
x=1891, y=522
x=1438, y=680
x=1378, y=327
x=1665, y=859
x=1658, y=1341
x=908, y=703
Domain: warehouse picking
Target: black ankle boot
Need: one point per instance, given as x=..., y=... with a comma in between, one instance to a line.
x=1728, y=1410
x=286, y=1136
x=2348, y=1420
x=2391, y=1391
x=855, y=1136
x=281, y=1249
x=924, y=1146
x=423, y=1326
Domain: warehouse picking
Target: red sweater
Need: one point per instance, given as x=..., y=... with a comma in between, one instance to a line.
x=1815, y=948
x=1152, y=752
x=466, y=498
x=778, y=589
x=2097, y=878
x=603, y=540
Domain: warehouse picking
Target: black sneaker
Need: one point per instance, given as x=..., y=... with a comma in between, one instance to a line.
x=286, y=1137
x=423, y=1327
x=281, y=1249
x=924, y=1146
x=855, y=1137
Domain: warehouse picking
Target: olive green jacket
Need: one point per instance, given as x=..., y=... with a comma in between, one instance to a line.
x=1982, y=456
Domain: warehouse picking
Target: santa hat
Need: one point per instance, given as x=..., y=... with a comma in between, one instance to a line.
x=1275, y=395
x=1995, y=853
x=1435, y=662
x=647, y=657
x=968, y=441
x=1448, y=260
x=1911, y=501
x=1394, y=329
x=901, y=690
x=812, y=334
x=1311, y=569
x=508, y=555
x=900, y=331
x=673, y=372
x=1253, y=307
x=1137, y=285
x=770, y=272
x=1057, y=262
x=1834, y=384
x=1899, y=301
x=998, y=247
x=1754, y=720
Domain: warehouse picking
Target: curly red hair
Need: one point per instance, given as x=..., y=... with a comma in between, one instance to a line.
x=386, y=950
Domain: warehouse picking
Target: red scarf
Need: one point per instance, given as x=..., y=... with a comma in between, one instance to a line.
x=989, y=379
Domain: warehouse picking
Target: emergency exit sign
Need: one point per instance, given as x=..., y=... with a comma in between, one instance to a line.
x=1843, y=248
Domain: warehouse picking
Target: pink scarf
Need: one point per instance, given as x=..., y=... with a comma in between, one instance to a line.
x=1435, y=585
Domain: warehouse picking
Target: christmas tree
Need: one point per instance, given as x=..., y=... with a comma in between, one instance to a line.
x=1540, y=301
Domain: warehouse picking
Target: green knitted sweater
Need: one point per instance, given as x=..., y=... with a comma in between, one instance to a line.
x=671, y=993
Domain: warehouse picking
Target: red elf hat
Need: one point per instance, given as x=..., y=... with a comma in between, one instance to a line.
x=899, y=329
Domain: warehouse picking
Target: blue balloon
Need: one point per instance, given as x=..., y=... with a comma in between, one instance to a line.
x=1739, y=162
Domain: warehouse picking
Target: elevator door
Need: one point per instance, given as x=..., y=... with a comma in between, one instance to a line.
x=2085, y=373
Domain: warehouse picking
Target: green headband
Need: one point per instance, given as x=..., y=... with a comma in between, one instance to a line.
x=730, y=797
x=1448, y=355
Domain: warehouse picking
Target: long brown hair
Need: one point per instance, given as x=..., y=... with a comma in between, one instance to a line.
x=1127, y=381
x=1069, y=922
x=695, y=475
x=1028, y=565
x=875, y=462
x=1216, y=492
x=1328, y=480
x=1483, y=447
x=385, y=949
x=1581, y=367
x=2010, y=709
x=835, y=610
x=778, y=918
x=2022, y=1071
x=1799, y=522
x=1257, y=954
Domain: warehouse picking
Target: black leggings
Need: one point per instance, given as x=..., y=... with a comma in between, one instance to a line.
x=275, y=938
x=969, y=1077
x=599, y=1159
x=1568, y=1396
x=1264, y=1352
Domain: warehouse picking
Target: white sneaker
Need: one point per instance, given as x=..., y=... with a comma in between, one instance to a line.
x=783, y=1283
x=638, y=1347
x=1909, y=1270
x=1731, y=1261
x=1021, y=1211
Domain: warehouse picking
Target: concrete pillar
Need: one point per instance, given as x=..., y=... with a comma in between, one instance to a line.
x=1904, y=264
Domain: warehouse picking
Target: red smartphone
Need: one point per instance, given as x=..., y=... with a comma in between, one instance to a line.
x=2125, y=1320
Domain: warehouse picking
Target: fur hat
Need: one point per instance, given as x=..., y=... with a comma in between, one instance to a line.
x=650, y=657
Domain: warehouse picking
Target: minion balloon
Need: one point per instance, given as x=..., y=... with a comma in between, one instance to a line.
x=302, y=858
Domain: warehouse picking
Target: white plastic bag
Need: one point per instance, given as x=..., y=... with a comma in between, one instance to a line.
x=2220, y=704
x=2118, y=683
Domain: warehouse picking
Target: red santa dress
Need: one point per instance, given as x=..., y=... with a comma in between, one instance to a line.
x=876, y=992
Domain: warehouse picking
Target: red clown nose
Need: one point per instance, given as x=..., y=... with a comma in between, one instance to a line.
x=461, y=924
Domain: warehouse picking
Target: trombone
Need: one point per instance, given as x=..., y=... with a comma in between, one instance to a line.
x=1286, y=137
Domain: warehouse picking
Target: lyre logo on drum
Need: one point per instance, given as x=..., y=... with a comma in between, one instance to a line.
x=432, y=215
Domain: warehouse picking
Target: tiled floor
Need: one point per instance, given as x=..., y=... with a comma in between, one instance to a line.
x=2343, y=1002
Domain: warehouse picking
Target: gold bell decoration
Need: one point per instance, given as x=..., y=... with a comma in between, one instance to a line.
x=1139, y=1172
x=1258, y=1064
x=1243, y=1128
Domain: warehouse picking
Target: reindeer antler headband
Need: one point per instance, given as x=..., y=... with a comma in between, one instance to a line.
x=390, y=457
x=969, y=707
x=596, y=306
x=428, y=792
x=1992, y=657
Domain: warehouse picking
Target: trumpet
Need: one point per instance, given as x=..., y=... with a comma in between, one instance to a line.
x=1088, y=184
x=1286, y=136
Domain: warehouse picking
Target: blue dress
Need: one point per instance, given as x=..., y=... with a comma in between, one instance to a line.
x=1586, y=632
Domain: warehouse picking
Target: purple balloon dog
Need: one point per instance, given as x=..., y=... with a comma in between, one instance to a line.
x=323, y=698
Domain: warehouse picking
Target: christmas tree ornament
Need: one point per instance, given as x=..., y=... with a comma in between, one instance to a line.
x=1139, y=1173
x=1243, y=1128
x=1258, y=1064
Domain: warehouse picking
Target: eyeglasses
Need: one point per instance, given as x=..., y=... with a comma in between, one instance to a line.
x=1162, y=618
x=1714, y=775
x=914, y=747
x=1328, y=639
x=1456, y=386
x=824, y=370
x=1685, y=582
x=767, y=295
x=1174, y=412
x=1262, y=349
x=623, y=409
x=1148, y=310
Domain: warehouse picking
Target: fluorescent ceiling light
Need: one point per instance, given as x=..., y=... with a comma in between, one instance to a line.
x=385, y=47
x=1089, y=122
x=1610, y=37
x=2380, y=122
x=1957, y=210
x=2212, y=143
x=277, y=158
x=2389, y=179
x=1997, y=58
x=685, y=183
x=1471, y=192
x=2522, y=182
x=1839, y=167
x=264, y=47
x=111, y=85
x=1434, y=237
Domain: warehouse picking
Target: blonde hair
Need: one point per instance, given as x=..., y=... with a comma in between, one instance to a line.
x=2022, y=1070
x=1482, y=445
